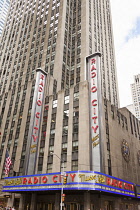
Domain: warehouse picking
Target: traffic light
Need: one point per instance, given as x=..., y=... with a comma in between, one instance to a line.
x=65, y=180
x=63, y=197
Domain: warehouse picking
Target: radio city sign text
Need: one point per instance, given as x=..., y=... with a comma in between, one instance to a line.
x=56, y=179
x=37, y=113
x=77, y=177
x=94, y=103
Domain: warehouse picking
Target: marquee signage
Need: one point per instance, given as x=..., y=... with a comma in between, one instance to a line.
x=75, y=180
x=119, y=184
x=34, y=130
x=138, y=191
x=93, y=76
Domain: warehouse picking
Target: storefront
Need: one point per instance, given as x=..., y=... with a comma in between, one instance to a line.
x=3, y=201
x=81, y=190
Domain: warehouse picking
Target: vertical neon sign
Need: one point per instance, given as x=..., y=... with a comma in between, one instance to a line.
x=34, y=129
x=95, y=107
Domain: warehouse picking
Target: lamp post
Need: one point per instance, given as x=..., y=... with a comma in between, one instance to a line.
x=62, y=174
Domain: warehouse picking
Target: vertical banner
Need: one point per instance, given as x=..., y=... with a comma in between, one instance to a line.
x=34, y=129
x=95, y=107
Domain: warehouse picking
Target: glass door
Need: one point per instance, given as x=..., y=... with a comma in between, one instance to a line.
x=74, y=206
x=45, y=206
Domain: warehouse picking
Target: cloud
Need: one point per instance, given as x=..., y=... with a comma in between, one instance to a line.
x=124, y=17
x=128, y=66
x=126, y=29
x=135, y=31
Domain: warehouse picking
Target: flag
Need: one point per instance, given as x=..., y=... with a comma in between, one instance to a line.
x=8, y=162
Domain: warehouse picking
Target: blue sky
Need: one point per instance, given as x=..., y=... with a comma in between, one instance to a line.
x=126, y=29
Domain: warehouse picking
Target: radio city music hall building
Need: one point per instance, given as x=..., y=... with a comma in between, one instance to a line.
x=59, y=110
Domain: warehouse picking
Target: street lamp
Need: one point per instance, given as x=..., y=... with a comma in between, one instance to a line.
x=62, y=173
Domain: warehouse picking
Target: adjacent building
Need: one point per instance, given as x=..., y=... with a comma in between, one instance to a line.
x=59, y=109
x=4, y=7
x=135, y=89
x=131, y=108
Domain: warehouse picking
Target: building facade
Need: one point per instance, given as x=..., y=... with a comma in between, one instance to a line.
x=131, y=109
x=135, y=90
x=116, y=188
x=4, y=7
x=60, y=117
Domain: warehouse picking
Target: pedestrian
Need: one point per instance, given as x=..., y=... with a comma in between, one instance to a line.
x=13, y=208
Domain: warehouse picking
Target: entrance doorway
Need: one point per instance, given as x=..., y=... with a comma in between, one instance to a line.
x=74, y=206
x=45, y=206
x=108, y=205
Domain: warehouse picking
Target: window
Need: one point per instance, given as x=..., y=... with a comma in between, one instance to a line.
x=64, y=146
x=76, y=112
x=41, y=152
x=55, y=104
x=76, y=96
x=63, y=165
x=67, y=99
x=66, y=114
x=65, y=130
x=40, y=161
x=75, y=165
x=75, y=145
x=75, y=128
x=51, y=148
x=49, y=168
x=52, y=131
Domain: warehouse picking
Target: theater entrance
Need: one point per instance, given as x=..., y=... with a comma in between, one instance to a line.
x=45, y=206
x=74, y=206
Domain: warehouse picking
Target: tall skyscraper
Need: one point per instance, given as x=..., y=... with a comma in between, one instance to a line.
x=55, y=36
x=52, y=91
x=4, y=7
x=135, y=90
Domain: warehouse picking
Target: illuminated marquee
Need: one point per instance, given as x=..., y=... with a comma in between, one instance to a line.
x=119, y=183
x=84, y=180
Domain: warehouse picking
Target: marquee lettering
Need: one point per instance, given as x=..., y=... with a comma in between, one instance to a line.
x=42, y=77
x=30, y=181
x=72, y=177
x=54, y=178
x=37, y=114
x=93, y=60
x=24, y=181
x=94, y=100
x=94, y=118
x=93, y=89
x=93, y=68
x=107, y=182
x=95, y=143
x=95, y=128
x=119, y=184
x=93, y=74
x=35, y=180
x=39, y=102
x=40, y=89
x=44, y=179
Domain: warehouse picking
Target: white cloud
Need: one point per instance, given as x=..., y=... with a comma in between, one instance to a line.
x=124, y=17
x=128, y=61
